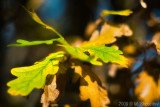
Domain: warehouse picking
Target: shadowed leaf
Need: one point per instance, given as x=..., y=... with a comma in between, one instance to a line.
x=90, y=87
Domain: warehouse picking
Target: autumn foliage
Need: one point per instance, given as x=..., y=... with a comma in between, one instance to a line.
x=102, y=47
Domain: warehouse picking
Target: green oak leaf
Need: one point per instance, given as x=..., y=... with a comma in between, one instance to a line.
x=77, y=52
x=34, y=76
x=107, y=54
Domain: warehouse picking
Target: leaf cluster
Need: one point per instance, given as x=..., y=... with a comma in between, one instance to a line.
x=34, y=76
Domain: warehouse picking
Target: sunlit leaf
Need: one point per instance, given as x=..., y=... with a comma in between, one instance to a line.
x=121, y=12
x=107, y=54
x=33, y=76
x=90, y=87
x=108, y=34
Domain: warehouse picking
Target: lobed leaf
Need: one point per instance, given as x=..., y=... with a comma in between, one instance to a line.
x=108, y=34
x=90, y=87
x=107, y=54
x=33, y=76
x=78, y=53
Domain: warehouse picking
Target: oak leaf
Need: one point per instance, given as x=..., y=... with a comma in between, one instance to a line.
x=90, y=87
x=107, y=34
x=34, y=76
x=147, y=90
x=107, y=54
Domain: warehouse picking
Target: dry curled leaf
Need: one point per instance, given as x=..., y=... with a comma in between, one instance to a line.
x=90, y=87
x=50, y=93
x=156, y=41
x=55, y=88
x=147, y=90
x=108, y=34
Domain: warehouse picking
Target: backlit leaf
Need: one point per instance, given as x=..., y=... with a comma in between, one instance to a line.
x=107, y=54
x=33, y=76
x=121, y=12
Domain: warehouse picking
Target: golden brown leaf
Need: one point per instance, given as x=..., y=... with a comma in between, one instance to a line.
x=147, y=89
x=156, y=41
x=129, y=49
x=108, y=34
x=90, y=87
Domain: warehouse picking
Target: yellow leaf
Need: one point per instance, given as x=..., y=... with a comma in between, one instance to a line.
x=147, y=89
x=121, y=12
x=90, y=87
x=107, y=34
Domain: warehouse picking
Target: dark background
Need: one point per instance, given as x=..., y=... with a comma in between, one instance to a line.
x=70, y=18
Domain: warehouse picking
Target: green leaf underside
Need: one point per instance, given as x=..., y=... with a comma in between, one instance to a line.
x=33, y=76
x=107, y=54
x=121, y=12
